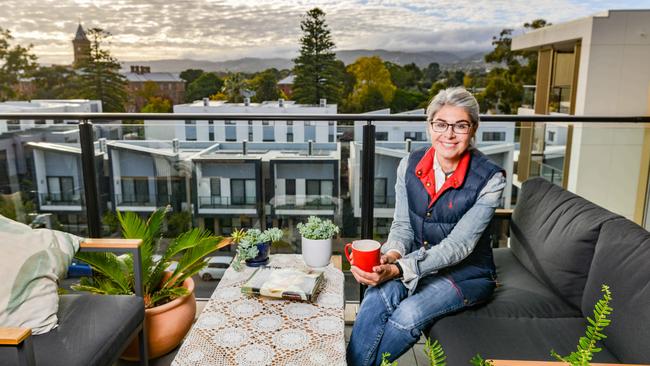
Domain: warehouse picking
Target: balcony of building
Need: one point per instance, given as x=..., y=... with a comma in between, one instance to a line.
x=226, y=185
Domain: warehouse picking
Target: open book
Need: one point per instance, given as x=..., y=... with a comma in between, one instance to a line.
x=284, y=283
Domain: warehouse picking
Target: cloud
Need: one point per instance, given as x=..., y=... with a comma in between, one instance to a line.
x=218, y=30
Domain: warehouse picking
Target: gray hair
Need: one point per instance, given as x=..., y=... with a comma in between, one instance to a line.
x=457, y=97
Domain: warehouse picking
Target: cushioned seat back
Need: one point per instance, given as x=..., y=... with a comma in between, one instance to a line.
x=553, y=234
x=622, y=261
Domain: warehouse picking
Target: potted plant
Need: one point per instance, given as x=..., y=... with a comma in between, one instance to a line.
x=254, y=246
x=169, y=301
x=317, y=241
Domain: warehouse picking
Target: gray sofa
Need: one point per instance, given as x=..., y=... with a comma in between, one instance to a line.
x=562, y=249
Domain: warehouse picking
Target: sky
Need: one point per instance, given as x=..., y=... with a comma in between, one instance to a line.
x=224, y=30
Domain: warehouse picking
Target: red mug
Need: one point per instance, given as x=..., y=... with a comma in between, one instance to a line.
x=365, y=254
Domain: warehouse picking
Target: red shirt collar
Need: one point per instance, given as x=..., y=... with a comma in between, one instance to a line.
x=424, y=171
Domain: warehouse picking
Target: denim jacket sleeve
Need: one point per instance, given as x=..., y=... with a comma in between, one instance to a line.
x=460, y=242
x=400, y=236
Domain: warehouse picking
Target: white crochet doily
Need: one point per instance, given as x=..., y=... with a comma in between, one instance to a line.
x=237, y=329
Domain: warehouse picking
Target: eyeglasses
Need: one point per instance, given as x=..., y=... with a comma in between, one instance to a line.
x=460, y=128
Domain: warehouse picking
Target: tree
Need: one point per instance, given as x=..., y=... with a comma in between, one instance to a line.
x=233, y=86
x=373, y=88
x=55, y=82
x=405, y=100
x=207, y=84
x=190, y=75
x=430, y=75
x=318, y=75
x=265, y=85
x=15, y=62
x=504, y=89
x=100, y=77
x=157, y=104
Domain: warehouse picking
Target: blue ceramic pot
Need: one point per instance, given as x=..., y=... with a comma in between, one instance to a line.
x=262, y=255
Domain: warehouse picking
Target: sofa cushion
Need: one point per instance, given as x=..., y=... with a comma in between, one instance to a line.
x=520, y=294
x=463, y=336
x=622, y=261
x=93, y=330
x=31, y=264
x=553, y=234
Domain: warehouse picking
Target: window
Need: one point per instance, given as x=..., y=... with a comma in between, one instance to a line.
x=40, y=122
x=190, y=130
x=290, y=187
x=61, y=189
x=381, y=136
x=551, y=136
x=265, y=123
x=380, y=190
x=13, y=125
x=215, y=187
x=494, y=136
x=58, y=121
x=231, y=132
x=414, y=136
x=289, y=123
x=242, y=191
x=211, y=130
x=313, y=187
x=290, y=137
x=135, y=189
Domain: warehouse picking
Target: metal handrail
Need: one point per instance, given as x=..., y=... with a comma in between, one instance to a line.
x=314, y=117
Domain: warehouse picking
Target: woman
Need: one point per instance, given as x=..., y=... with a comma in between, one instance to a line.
x=437, y=259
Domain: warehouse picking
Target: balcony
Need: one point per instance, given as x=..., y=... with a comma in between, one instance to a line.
x=282, y=207
x=144, y=200
x=60, y=199
x=227, y=202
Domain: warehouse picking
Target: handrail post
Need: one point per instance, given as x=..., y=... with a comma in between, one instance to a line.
x=367, y=187
x=86, y=140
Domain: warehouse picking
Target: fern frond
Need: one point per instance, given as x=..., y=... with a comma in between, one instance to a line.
x=479, y=361
x=435, y=353
x=587, y=345
x=192, y=260
x=384, y=360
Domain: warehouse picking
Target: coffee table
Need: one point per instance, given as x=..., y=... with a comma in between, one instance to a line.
x=238, y=329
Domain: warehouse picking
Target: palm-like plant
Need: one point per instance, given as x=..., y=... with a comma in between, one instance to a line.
x=114, y=274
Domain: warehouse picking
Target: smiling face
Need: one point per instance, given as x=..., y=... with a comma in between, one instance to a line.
x=450, y=145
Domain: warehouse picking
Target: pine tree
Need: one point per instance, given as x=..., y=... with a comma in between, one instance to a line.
x=100, y=76
x=318, y=75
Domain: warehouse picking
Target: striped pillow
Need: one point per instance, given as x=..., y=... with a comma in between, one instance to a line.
x=31, y=263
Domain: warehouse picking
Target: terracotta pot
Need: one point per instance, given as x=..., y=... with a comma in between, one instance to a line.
x=166, y=324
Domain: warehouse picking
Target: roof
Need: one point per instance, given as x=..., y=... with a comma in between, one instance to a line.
x=81, y=34
x=166, y=77
x=287, y=80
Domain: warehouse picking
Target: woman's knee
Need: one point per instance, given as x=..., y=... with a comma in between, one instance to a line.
x=388, y=294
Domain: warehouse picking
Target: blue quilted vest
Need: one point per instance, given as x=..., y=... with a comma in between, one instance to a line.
x=475, y=275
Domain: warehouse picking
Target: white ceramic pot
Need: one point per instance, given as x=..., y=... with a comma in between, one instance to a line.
x=316, y=253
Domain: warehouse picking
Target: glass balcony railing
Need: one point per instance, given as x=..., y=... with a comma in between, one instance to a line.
x=384, y=202
x=227, y=202
x=157, y=156
x=306, y=202
x=60, y=199
x=143, y=200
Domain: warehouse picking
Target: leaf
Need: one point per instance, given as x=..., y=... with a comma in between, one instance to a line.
x=109, y=266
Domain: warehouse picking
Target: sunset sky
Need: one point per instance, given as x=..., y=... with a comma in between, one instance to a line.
x=222, y=30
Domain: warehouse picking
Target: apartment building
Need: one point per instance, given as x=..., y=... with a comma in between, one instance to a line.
x=45, y=106
x=58, y=181
x=596, y=65
x=249, y=130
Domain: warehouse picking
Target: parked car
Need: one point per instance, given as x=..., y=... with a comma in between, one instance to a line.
x=79, y=269
x=172, y=265
x=216, y=267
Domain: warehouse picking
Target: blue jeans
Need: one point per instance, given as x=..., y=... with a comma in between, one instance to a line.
x=391, y=321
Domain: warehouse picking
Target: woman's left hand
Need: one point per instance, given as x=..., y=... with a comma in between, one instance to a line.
x=379, y=274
